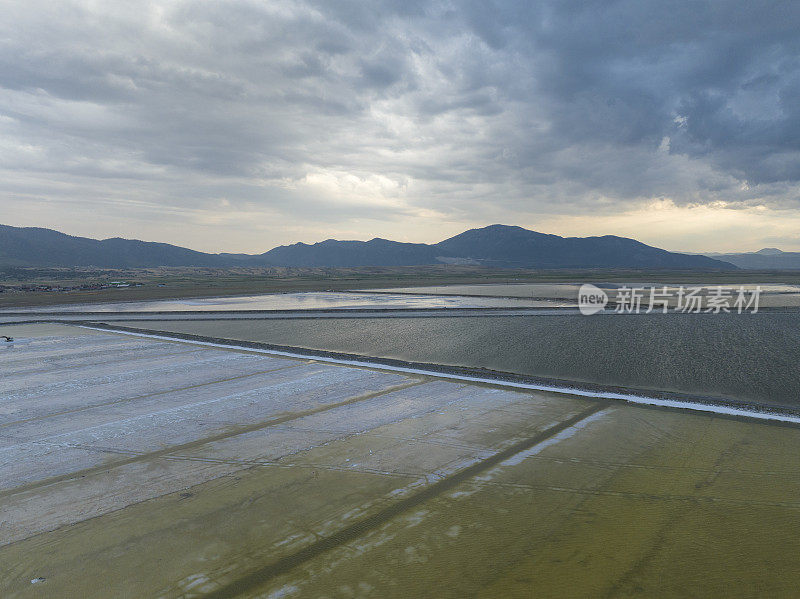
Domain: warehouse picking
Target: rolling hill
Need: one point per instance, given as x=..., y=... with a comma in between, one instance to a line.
x=499, y=246
x=765, y=259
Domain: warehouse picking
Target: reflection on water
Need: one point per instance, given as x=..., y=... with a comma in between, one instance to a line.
x=569, y=290
x=515, y=290
x=772, y=295
x=300, y=301
x=522, y=295
x=747, y=357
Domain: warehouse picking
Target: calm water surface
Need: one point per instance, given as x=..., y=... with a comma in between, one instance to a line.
x=749, y=357
x=302, y=301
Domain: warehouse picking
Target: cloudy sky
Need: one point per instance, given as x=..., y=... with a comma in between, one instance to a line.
x=239, y=125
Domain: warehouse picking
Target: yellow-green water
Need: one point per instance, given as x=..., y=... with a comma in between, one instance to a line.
x=641, y=503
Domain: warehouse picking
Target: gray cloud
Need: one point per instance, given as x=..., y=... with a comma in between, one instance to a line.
x=340, y=113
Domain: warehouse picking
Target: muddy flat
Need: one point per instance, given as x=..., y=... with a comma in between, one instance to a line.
x=137, y=467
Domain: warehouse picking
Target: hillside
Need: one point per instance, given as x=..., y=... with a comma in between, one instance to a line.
x=30, y=246
x=765, y=259
x=498, y=246
x=514, y=247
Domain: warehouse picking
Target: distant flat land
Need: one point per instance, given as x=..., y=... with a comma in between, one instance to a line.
x=211, y=282
x=139, y=467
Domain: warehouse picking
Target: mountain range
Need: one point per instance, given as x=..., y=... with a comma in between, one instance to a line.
x=764, y=259
x=499, y=246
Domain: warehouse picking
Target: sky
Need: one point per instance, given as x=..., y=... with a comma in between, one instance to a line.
x=236, y=125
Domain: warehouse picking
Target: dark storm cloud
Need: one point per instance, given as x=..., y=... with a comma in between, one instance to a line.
x=720, y=79
x=393, y=108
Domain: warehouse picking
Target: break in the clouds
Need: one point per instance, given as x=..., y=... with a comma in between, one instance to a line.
x=238, y=125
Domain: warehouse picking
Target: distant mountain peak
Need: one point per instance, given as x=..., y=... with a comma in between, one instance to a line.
x=501, y=246
x=499, y=227
x=763, y=259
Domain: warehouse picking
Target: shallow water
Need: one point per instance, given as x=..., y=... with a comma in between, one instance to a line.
x=565, y=290
x=748, y=357
x=301, y=301
x=231, y=474
x=771, y=295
